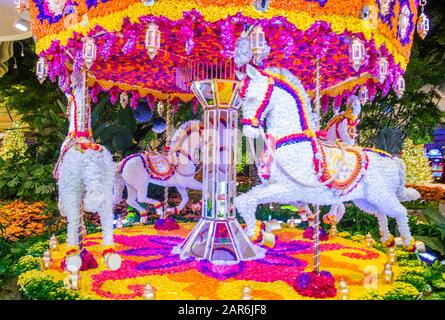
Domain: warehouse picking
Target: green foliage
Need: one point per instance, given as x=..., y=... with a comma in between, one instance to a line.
x=435, y=276
x=26, y=263
x=432, y=233
x=402, y=291
x=45, y=288
x=26, y=180
x=11, y=252
x=37, y=249
x=356, y=221
x=371, y=295
x=416, y=281
x=389, y=140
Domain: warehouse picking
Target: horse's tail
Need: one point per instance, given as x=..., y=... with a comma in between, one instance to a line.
x=119, y=184
x=403, y=193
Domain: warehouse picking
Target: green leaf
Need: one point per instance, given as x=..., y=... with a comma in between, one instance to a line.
x=98, y=109
x=61, y=106
x=122, y=140
x=126, y=118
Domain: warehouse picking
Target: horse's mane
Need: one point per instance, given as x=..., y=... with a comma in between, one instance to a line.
x=295, y=81
x=183, y=128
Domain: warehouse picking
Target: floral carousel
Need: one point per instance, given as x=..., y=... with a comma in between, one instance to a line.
x=246, y=64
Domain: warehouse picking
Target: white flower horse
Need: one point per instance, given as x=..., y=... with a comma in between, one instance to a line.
x=177, y=169
x=84, y=171
x=305, y=170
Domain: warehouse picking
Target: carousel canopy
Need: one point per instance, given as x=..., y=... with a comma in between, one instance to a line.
x=8, y=17
x=157, y=47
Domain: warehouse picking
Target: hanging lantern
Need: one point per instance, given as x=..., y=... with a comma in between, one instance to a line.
x=261, y=5
x=124, y=99
x=41, y=70
x=257, y=43
x=152, y=40
x=400, y=87
x=148, y=3
x=423, y=26
x=357, y=53
x=89, y=51
x=404, y=21
x=363, y=95
x=423, y=23
x=383, y=69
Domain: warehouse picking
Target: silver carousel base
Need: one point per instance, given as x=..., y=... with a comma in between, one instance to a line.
x=219, y=241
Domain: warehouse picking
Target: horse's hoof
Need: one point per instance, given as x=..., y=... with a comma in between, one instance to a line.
x=410, y=245
x=389, y=242
x=113, y=261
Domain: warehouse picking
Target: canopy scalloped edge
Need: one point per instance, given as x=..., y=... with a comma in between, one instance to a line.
x=143, y=92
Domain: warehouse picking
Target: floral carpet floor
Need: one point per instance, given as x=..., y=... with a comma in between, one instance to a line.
x=147, y=258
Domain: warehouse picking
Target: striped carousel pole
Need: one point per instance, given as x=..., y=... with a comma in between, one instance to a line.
x=317, y=207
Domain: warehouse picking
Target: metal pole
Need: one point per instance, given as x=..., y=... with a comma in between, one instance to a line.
x=316, y=207
x=317, y=239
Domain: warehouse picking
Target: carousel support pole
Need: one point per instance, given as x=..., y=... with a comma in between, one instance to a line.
x=317, y=91
x=317, y=207
x=167, y=142
x=317, y=240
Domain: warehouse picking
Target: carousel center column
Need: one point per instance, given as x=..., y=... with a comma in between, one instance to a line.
x=218, y=237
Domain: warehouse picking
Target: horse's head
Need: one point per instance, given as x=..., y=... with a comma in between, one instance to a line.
x=255, y=91
x=188, y=138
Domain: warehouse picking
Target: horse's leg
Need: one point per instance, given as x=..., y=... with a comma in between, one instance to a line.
x=142, y=197
x=392, y=207
x=70, y=201
x=194, y=184
x=337, y=210
x=131, y=199
x=249, y=201
x=184, y=195
x=381, y=217
x=106, y=212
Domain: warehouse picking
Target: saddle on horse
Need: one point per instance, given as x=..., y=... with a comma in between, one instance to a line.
x=160, y=166
x=346, y=163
